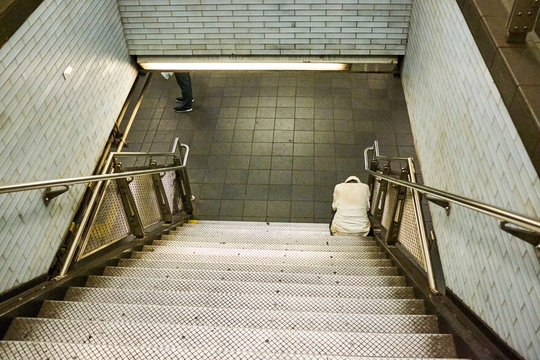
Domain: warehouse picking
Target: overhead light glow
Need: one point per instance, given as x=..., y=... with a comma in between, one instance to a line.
x=188, y=66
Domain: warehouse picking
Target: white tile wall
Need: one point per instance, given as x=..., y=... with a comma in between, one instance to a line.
x=51, y=127
x=256, y=27
x=467, y=144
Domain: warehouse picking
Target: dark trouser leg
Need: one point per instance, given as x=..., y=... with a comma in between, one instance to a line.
x=330, y=226
x=184, y=82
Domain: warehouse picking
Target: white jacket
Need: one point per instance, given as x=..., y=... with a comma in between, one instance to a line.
x=351, y=203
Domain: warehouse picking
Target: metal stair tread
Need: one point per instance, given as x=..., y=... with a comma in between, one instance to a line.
x=277, y=268
x=263, y=253
x=36, y=350
x=269, y=232
x=262, y=246
x=279, y=277
x=244, y=318
x=219, y=286
x=216, y=338
x=273, y=240
x=260, y=223
x=152, y=255
x=247, y=301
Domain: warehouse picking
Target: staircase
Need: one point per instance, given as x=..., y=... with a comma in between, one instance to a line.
x=237, y=290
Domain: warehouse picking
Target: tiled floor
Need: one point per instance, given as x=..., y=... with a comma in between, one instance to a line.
x=270, y=146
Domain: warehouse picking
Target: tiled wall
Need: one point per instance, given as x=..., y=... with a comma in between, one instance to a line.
x=270, y=27
x=467, y=144
x=51, y=127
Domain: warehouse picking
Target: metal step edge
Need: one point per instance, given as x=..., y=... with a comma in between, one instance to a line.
x=244, y=318
x=258, y=223
x=150, y=255
x=258, y=231
x=320, y=227
x=34, y=350
x=248, y=301
x=280, y=277
x=305, y=269
x=262, y=253
x=306, y=290
x=279, y=239
x=216, y=338
x=261, y=246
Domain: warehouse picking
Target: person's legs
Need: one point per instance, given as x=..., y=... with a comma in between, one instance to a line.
x=184, y=82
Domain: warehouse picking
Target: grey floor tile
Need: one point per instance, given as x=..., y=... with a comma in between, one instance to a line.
x=234, y=191
x=254, y=208
x=270, y=146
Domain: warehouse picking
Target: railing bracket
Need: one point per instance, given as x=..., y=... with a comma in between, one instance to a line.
x=49, y=193
x=529, y=236
x=439, y=202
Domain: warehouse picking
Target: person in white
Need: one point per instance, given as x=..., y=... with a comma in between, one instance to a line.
x=351, y=203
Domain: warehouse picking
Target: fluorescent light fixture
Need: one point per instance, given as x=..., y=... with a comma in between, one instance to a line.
x=188, y=66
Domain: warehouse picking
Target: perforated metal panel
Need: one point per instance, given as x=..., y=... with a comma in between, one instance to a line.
x=110, y=224
x=239, y=339
x=375, y=194
x=175, y=202
x=143, y=192
x=390, y=203
x=409, y=236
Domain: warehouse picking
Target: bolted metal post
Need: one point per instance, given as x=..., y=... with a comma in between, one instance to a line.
x=522, y=19
x=393, y=230
x=184, y=189
x=130, y=207
x=381, y=196
x=161, y=196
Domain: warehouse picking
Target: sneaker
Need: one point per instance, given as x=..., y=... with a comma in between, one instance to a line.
x=183, y=108
x=181, y=100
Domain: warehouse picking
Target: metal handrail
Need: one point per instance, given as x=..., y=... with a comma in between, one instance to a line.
x=96, y=178
x=490, y=210
x=86, y=216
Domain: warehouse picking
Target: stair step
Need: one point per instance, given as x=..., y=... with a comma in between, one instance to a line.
x=258, y=238
x=260, y=260
x=240, y=318
x=323, y=229
x=293, y=278
x=363, y=292
x=314, y=226
x=29, y=350
x=248, y=301
x=259, y=233
x=190, y=243
x=245, y=340
x=278, y=268
x=315, y=255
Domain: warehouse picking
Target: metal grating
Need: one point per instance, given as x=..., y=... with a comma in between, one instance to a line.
x=389, y=205
x=61, y=351
x=110, y=224
x=144, y=194
x=376, y=187
x=224, y=287
x=266, y=277
x=171, y=190
x=244, y=340
x=409, y=235
x=279, y=268
x=260, y=260
x=191, y=242
x=262, y=319
x=248, y=301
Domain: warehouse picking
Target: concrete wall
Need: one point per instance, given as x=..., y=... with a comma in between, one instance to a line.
x=51, y=127
x=467, y=144
x=270, y=27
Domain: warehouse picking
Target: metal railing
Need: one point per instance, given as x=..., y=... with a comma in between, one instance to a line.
x=523, y=19
x=441, y=198
x=113, y=170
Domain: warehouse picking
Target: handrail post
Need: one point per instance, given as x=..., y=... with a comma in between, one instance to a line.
x=422, y=230
x=163, y=203
x=397, y=212
x=130, y=207
x=184, y=189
